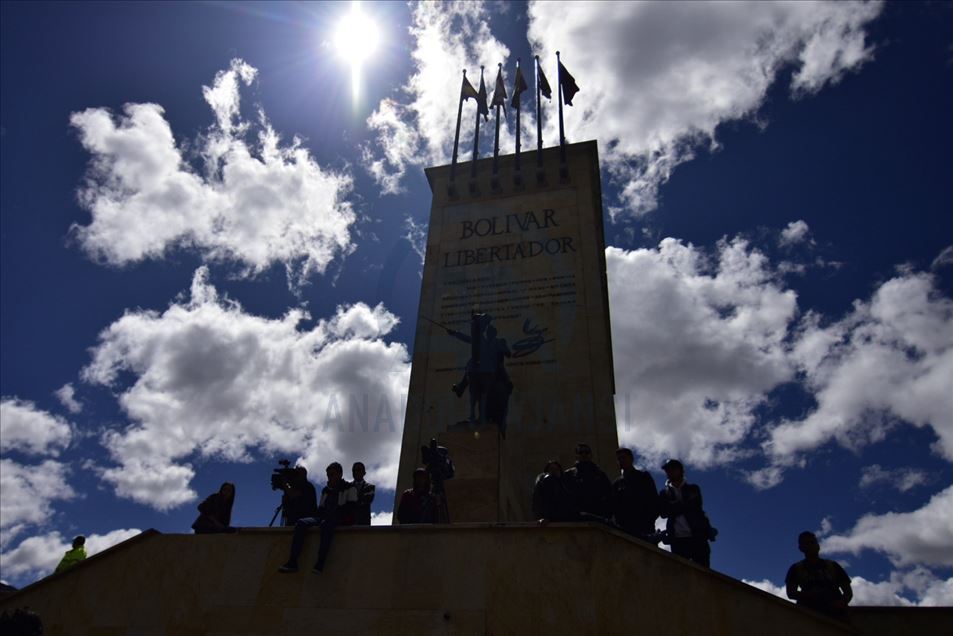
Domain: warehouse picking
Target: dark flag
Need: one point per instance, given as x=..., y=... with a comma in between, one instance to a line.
x=467, y=91
x=519, y=85
x=482, y=107
x=568, y=83
x=499, y=93
x=544, y=84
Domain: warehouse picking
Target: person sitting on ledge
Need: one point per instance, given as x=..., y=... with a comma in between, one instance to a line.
x=635, y=500
x=819, y=584
x=73, y=556
x=551, y=500
x=688, y=527
x=215, y=513
x=417, y=504
x=588, y=486
x=365, y=495
x=338, y=499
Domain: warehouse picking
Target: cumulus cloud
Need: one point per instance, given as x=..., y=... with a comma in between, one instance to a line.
x=917, y=586
x=25, y=428
x=381, y=518
x=66, y=394
x=28, y=494
x=257, y=201
x=944, y=258
x=39, y=555
x=795, y=232
x=665, y=74
x=903, y=479
x=698, y=343
x=416, y=126
x=923, y=536
x=210, y=380
x=889, y=360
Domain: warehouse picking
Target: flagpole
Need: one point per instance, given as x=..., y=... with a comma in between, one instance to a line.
x=562, y=134
x=519, y=103
x=496, y=142
x=456, y=136
x=539, y=122
x=476, y=136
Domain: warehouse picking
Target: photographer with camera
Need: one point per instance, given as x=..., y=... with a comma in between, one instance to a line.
x=417, y=504
x=338, y=499
x=299, y=499
x=439, y=468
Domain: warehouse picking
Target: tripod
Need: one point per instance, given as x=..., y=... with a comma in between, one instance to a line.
x=275, y=516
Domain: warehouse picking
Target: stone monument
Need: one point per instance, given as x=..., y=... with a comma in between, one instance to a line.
x=512, y=362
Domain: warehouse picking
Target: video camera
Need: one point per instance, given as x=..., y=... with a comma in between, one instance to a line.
x=438, y=463
x=281, y=478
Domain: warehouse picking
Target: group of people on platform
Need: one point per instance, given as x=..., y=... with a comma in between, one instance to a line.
x=631, y=502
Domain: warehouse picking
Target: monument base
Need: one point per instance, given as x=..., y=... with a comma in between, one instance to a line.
x=474, y=493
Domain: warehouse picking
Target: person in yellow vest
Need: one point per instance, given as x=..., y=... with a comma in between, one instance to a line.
x=74, y=556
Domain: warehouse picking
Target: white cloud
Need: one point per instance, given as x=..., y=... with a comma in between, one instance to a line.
x=923, y=536
x=25, y=428
x=416, y=127
x=697, y=346
x=944, y=258
x=258, y=202
x=212, y=381
x=664, y=75
x=903, y=479
x=39, y=555
x=890, y=359
x=918, y=586
x=381, y=518
x=66, y=394
x=795, y=232
x=28, y=492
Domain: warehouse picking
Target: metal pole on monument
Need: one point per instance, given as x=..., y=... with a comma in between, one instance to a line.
x=456, y=136
x=539, y=122
x=562, y=131
x=482, y=109
x=519, y=85
x=499, y=101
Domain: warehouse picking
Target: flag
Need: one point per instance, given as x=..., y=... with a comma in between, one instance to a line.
x=543, y=83
x=519, y=85
x=499, y=93
x=483, y=109
x=467, y=91
x=568, y=83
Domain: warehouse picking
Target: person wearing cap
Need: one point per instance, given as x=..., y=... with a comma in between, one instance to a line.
x=687, y=527
x=417, y=504
x=820, y=584
x=588, y=486
x=635, y=500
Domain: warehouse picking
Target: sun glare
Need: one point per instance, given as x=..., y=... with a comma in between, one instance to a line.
x=355, y=40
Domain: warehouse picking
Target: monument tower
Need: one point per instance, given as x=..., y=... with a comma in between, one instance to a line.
x=512, y=362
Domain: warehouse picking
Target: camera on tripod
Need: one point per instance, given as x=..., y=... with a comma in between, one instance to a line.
x=438, y=463
x=281, y=478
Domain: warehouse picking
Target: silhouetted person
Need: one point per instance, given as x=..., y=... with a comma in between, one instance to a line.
x=337, y=501
x=417, y=504
x=300, y=499
x=551, y=499
x=817, y=583
x=688, y=527
x=365, y=495
x=588, y=486
x=635, y=500
x=215, y=513
x=73, y=556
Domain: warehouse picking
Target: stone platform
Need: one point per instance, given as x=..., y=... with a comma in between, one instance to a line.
x=460, y=579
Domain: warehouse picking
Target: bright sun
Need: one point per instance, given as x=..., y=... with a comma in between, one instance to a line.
x=355, y=40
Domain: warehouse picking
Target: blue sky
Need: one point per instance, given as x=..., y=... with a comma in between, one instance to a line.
x=777, y=186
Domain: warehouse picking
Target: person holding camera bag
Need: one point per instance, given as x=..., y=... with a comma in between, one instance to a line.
x=688, y=528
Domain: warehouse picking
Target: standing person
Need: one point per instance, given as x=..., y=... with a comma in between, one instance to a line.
x=74, y=555
x=820, y=584
x=365, y=495
x=635, y=500
x=688, y=527
x=417, y=504
x=551, y=500
x=215, y=513
x=588, y=486
x=337, y=502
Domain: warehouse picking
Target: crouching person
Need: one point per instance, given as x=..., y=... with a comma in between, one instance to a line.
x=338, y=499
